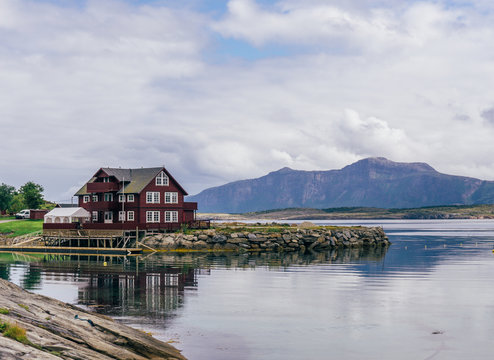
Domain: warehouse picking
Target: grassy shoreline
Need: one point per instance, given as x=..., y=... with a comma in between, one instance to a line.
x=21, y=227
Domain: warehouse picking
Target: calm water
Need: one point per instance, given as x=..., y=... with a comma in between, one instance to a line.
x=437, y=277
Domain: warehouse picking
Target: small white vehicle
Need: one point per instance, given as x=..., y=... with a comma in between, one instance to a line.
x=23, y=214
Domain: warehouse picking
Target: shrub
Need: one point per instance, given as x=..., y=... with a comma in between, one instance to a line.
x=25, y=307
x=14, y=332
x=4, y=311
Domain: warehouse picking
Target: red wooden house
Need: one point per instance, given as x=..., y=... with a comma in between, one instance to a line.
x=145, y=198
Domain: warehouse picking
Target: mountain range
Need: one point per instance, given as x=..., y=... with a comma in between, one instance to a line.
x=371, y=182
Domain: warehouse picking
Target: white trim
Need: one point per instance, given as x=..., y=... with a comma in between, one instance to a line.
x=130, y=216
x=86, y=198
x=94, y=216
x=95, y=198
x=121, y=198
x=152, y=197
x=121, y=216
x=162, y=179
x=171, y=198
x=108, y=217
x=130, y=198
x=152, y=216
x=109, y=196
x=171, y=216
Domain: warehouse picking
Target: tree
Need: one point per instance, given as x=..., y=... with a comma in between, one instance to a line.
x=33, y=194
x=7, y=193
x=17, y=203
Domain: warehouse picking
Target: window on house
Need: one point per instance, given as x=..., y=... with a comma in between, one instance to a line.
x=86, y=198
x=121, y=216
x=152, y=197
x=108, y=197
x=95, y=216
x=130, y=198
x=171, y=216
x=121, y=198
x=95, y=198
x=106, y=179
x=162, y=179
x=171, y=197
x=130, y=216
x=152, y=216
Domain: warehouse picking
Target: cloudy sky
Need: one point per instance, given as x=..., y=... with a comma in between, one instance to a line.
x=225, y=90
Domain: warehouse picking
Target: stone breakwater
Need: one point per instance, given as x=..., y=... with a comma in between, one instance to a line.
x=270, y=239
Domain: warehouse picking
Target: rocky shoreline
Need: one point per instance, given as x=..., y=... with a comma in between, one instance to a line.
x=37, y=327
x=242, y=238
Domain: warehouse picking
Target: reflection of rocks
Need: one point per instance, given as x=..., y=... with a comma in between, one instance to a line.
x=273, y=259
x=286, y=239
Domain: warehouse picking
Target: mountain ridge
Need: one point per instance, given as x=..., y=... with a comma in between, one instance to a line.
x=374, y=182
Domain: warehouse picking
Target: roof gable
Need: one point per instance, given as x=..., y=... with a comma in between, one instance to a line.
x=143, y=177
x=135, y=179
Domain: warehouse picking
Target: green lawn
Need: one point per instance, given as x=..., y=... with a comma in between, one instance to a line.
x=21, y=227
x=7, y=217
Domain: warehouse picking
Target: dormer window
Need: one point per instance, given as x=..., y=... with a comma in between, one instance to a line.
x=162, y=179
x=106, y=179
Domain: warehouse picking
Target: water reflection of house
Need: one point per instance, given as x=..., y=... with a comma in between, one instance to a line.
x=155, y=292
x=122, y=287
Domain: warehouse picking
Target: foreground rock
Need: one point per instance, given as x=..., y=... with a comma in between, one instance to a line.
x=276, y=237
x=53, y=332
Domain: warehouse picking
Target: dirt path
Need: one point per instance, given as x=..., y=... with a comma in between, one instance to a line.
x=9, y=220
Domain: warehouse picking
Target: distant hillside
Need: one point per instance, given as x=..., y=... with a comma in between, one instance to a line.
x=372, y=182
x=353, y=213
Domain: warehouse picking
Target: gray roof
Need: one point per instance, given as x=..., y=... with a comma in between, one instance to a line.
x=135, y=179
x=66, y=205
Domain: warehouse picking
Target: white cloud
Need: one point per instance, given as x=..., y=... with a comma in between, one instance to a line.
x=116, y=84
x=374, y=137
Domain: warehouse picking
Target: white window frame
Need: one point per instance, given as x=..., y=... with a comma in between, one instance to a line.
x=130, y=216
x=152, y=216
x=94, y=216
x=162, y=179
x=121, y=198
x=121, y=216
x=171, y=216
x=109, y=196
x=106, y=179
x=95, y=198
x=152, y=197
x=86, y=198
x=130, y=198
x=171, y=198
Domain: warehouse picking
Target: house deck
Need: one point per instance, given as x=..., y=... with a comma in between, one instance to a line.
x=65, y=250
